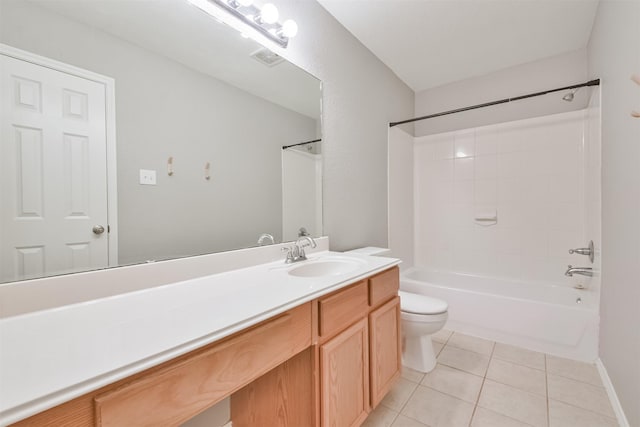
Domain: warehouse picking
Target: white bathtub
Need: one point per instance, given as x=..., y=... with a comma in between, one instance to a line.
x=552, y=319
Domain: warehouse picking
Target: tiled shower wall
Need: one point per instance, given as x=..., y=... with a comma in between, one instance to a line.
x=530, y=173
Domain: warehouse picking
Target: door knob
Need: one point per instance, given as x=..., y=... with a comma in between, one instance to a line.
x=98, y=229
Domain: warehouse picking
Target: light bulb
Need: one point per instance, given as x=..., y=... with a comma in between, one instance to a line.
x=289, y=28
x=245, y=3
x=269, y=13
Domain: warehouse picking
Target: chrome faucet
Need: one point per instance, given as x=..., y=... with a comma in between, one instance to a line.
x=296, y=253
x=265, y=236
x=306, y=241
x=583, y=271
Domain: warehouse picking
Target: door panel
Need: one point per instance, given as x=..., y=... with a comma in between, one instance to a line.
x=344, y=386
x=386, y=356
x=53, y=148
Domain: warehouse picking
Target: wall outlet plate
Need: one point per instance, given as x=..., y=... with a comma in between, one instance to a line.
x=147, y=177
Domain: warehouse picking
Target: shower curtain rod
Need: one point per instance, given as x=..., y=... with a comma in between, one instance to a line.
x=284, y=147
x=595, y=82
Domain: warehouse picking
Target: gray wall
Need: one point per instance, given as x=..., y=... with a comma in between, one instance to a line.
x=614, y=54
x=556, y=71
x=360, y=97
x=166, y=109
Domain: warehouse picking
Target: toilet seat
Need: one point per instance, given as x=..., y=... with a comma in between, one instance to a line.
x=415, y=304
x=424, y=318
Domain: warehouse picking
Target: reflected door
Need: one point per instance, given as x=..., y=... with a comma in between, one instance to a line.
x=53, y=188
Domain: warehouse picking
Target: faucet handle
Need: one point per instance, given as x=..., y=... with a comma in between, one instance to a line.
x=588, y=251
x=290, y=257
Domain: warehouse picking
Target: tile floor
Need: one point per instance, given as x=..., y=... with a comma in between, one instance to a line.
x=479, y=383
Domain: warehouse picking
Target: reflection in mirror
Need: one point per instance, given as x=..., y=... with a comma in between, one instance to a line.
x=301, y=190
x=122, y=143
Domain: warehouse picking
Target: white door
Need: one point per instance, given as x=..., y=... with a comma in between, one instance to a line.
x=53, y=176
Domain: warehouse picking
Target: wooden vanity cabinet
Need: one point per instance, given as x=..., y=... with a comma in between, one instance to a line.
x=360, y=353
x=384, y=349
x=177, y=390
x=327, y=362
x=344, y=372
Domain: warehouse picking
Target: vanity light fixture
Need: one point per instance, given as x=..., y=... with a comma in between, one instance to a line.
x=264, y=20
x=268, y=15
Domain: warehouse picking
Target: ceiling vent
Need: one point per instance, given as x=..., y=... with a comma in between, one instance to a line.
x=266, y=57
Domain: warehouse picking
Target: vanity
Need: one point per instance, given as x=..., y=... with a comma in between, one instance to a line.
x=189, y=146
x=289, y=344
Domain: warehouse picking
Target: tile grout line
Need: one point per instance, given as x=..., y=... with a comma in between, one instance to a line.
x=394, y=418
x=520, y=364
x=484, y=378
x=459, y=370
x=573, y=379
x=409, y=398
x=483, y=382
x=583, y=409
x=546, y=386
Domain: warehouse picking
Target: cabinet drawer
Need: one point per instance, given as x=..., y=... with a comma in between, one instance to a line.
x=340, y=310
x=384, y=286
x=172, y=395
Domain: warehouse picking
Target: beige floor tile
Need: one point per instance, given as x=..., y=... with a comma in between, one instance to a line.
x=437, y=409
x=486, y=418
x=579, y=371
x=464, y=360
x=511, y=402
x=437, y=347
x=403, y=421
x=518, y=376
x=519, y=356
x=577, y=393
x=563, y=415
x=380, y=417
x=475, y=344
x=454, y=382
x=441, y=336
x=399, y=394
x=412, y=375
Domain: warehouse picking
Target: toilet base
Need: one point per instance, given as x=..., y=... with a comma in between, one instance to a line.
x=418, y=353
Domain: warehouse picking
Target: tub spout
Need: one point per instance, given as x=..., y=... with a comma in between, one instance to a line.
x=583, y=271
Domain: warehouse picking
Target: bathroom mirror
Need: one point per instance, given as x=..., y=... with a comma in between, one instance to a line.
x=135, y=131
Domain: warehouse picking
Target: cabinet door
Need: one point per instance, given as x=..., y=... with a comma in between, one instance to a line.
x=385, y=352
x=344, y=371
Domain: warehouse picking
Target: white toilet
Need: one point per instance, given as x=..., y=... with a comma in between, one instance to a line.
x=421, y=317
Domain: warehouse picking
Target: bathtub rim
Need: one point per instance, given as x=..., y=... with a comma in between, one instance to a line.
x=590, y=297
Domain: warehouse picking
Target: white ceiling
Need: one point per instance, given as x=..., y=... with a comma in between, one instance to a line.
x=429, y=43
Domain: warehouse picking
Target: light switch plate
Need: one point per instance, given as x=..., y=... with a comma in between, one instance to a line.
x=147, y=177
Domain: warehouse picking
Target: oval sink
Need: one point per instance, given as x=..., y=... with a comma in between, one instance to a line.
x=325, y=268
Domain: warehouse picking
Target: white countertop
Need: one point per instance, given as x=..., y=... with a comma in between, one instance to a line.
x=52, y=356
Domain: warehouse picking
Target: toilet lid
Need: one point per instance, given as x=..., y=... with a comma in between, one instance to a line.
x=421, y=304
